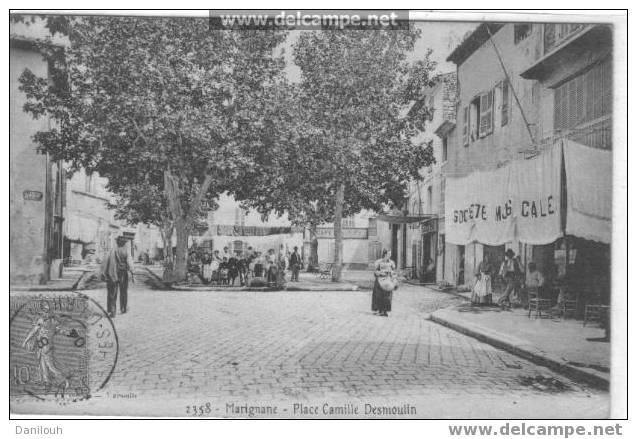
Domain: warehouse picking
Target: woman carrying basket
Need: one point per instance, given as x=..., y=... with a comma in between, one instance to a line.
x=385, y=284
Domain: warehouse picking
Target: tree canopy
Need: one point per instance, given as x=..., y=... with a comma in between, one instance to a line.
x=163, y=102
x=349, y=132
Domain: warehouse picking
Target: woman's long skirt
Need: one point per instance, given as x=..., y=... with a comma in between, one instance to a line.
x=482, y=293
x=381, y=299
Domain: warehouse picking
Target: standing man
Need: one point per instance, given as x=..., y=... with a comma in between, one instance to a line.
x=295, y=263
x=510, y=271
x=115, y=269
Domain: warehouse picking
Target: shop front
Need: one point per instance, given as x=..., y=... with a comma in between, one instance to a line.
x=553, y=210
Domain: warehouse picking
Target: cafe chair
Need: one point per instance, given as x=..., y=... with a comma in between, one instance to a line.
x=537, y=303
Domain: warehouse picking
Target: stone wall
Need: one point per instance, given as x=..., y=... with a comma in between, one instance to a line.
x=27, y=172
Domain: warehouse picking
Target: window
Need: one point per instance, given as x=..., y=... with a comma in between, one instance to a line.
x=429, y=199
x=465, y=126
x=584, y=98
x=444, y=149
x=372, y=228
x=583, y=106
x=239, y=217
x=521, y=32
x=504, y=107
x=348, y=223
x=474, y=119
x=485, y=113
x=557, y=33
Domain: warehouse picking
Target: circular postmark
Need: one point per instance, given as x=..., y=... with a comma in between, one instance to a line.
x=62, y=347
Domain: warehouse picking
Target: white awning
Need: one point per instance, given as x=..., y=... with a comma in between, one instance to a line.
x=78, y=228
x=520, y=201
x=589, y=188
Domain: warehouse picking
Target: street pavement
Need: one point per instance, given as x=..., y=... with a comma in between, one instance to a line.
x=299, y=354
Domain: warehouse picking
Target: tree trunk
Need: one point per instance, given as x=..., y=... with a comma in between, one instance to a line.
x=313, y=260
x=338, y=233
x=167, y=237
x=183, y=228
x=183, y=221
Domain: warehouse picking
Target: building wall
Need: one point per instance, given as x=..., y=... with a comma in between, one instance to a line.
x=229, y=212
x=355, y=252
x=442, y=97
x=482, y=72
x=88, y=220
x=27, y=171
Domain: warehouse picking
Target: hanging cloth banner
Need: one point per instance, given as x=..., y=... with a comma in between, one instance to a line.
x=230, y=230
x=520, y=201
x=589, y=183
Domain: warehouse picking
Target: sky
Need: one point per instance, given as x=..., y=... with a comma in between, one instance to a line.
x=441, y=37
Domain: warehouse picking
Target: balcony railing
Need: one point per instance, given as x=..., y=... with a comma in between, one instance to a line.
x=596, y=134
x=555, y=34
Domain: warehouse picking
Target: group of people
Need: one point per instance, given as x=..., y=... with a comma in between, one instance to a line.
x=227, y=268
x=517, y=286
x=223, y=268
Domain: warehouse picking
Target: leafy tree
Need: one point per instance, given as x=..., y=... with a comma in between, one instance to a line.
x=144, y=204
x=352, y=148
x=163, y=102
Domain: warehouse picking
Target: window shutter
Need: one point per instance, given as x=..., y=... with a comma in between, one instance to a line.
x=606, y=73
x=505, y=103
x=465, y=126
x=486, y=114
x=561, y=107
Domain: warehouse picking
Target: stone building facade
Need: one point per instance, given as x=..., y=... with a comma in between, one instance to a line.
x=31, y=177
x=521, y=88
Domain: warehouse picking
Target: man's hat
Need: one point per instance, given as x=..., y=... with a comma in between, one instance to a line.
x=121, y=238
x=510, y=253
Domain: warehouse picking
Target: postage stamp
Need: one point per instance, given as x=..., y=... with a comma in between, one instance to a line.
x=61, y=346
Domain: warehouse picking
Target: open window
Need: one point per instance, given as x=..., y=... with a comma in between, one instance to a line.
x=485, y=114
x=474, y=119
x=465, y=126
x=521, y=32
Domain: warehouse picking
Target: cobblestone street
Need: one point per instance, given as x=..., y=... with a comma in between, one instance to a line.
x=179, y=349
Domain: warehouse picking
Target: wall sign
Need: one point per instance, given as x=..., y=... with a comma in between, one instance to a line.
x=520, y=201
x=429, y=227
x=32, y=195
x=328, y=233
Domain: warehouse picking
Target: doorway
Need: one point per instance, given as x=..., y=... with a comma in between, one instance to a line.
x=429, y=250
x=394, y=242
x=460, y=265
x=403, y=253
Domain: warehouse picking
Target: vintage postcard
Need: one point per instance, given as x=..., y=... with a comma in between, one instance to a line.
x=300, y=214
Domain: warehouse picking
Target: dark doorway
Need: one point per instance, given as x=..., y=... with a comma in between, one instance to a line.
x=495, y=253
x=403, y=253
x=429, y=248
x=460, y=265
x=426, y=255
x=394, y=242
